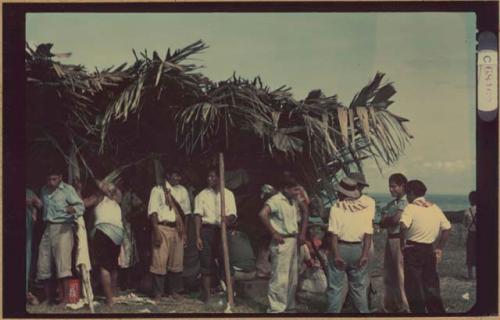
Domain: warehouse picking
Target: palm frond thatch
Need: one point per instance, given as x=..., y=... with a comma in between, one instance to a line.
x=167, y=106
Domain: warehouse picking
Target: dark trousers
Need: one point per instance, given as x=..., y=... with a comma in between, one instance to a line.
x=212, y=249
x=174, y=283
x=421, y=279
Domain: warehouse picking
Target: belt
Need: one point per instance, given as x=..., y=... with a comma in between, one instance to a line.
x=393, y=236
x=50, y=222
x=349, y=242
x=289, y=235
x=168, y=224
x=209, y=225
x=414, y=243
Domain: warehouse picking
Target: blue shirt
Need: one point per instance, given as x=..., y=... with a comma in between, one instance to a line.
x=391, y=209
x=55, y=203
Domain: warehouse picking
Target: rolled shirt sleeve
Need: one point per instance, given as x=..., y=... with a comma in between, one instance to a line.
x=154, y=201
x=271, y=204
x=185, y=203
x=406, y=217
x=444, y=223
x=198, y=205
x=75, y=201
x=334, y=223
x=230, y=204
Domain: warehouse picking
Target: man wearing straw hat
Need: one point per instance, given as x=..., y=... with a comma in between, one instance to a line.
x=351, y=228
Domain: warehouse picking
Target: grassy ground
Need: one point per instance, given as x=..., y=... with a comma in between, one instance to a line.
x=451, y=270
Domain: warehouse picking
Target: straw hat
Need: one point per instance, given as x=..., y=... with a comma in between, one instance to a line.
x=359, y=178
x=348, y=187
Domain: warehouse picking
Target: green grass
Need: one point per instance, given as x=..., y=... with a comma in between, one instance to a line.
x=452, y=273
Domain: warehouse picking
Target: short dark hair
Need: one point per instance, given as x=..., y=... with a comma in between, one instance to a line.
x=473, y=198
x=54, y=171
x=171, y=170
x=416, y=187
x=212, y=169
x=288, y=182
x=399, y=179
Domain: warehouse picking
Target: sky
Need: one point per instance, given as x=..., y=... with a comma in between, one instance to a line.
x=429, y=57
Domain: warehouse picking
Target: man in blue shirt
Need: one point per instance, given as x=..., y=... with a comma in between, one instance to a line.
x=394, y=292
x=61, y=207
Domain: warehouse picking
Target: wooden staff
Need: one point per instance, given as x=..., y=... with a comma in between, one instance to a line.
x=223, y=233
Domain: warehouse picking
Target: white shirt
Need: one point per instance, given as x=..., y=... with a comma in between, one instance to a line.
x=157, y=204
x=181, y=195
x=369, y=201
x=284, y=215
x=207, y=205
x=351, y=219
x=108, y=211
x=424, y=221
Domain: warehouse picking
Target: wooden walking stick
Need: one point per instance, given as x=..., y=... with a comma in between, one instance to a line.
x=230, y=302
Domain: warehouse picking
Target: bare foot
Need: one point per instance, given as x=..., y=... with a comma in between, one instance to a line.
x=32, y=299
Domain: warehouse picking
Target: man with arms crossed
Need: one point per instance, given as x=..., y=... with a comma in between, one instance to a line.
x=394, y=290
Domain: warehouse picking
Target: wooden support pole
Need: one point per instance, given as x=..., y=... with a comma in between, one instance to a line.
x=224, y=232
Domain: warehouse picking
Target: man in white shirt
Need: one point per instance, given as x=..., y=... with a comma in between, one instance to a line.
x=280, y=216
x=208, y=219
x=351, y=228
x=422, y=223
x=168, y=248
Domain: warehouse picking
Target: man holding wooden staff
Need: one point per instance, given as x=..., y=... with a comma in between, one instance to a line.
x=207, y=208
x=280, y=215
x=168, y=248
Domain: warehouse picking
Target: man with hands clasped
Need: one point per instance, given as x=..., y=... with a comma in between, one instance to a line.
x=351, y=227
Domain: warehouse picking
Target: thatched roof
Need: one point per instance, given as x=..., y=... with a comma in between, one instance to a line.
x=167, y=107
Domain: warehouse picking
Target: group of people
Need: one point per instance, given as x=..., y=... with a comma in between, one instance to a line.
x=413, y=225
x=112, y=244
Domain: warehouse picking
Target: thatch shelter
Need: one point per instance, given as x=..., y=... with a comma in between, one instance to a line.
x=164, y=110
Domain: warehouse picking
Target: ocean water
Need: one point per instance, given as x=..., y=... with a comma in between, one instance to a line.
x=447, y=202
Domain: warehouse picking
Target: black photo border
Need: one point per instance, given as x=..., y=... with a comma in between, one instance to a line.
x=14, y=162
